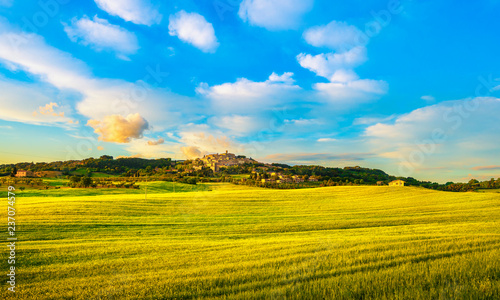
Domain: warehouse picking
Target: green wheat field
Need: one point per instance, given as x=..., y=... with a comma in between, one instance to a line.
x=223, y=241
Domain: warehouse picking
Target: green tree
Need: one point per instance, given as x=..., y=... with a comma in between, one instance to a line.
x=473, y=183
x=86, y=181
x=74, y=179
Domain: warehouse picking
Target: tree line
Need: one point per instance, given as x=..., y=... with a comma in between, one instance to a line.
x=189, y=171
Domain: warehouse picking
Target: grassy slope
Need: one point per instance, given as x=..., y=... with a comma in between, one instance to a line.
x=83, y=172
x=153, y=187
x=339, y=242
x=489, y=190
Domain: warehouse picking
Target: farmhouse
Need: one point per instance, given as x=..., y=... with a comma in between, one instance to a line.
x=284, y=179
x=397, y=183
x=24, y=173
x=268, y=180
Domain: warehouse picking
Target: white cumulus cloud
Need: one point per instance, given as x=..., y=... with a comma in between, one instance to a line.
x=193, y=29
x=192, y=152
x=119, y=129
x=244, y=96
x=101, y=35
x=338, y=36
x=345, y=87
x=326, y=64
x=136, y=11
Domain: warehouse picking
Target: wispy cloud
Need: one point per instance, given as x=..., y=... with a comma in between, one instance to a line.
x=156, y=142
x=91, y=138
x=102, y=36
x=100, y=97
x=161, y=150
x=486, y=168
x=314, y=157
x=48, y=109
x=31, y=103
x=237, y=124
x=335, y=35
x=274, y=14
x=304, y=122
x=428, y=98
x=130, y=156
x=372, y=120
x=326, y=140
x=451, y=134
x=353, y=92
x=135, y=11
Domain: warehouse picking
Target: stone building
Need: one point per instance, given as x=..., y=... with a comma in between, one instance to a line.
x=24, y=173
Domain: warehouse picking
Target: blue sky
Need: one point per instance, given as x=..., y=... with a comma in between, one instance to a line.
x=409, y=87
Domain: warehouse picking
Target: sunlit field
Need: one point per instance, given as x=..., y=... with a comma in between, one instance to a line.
x=233, y=242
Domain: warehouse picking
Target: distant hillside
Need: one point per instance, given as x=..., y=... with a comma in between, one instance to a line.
x=225, y=167
x=105, y=163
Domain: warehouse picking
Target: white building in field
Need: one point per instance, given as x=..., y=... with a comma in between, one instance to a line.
x=397, y=183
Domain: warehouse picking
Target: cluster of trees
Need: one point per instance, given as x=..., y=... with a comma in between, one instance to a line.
x=86, y=181
x=22, y=181
x=334, y=176
x=489, y=184
x=331, y=182
x=256, y=180
x=129, y=182
x=81, y=182
x=369, y=176
x=472, y=185
x=259, y=183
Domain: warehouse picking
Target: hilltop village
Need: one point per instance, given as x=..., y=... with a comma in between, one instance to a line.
x=216, y=161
